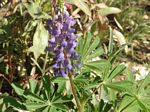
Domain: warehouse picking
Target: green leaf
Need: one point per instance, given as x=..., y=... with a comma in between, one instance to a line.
x=13, y=102
x=144, y=83
x=127, y=103
x=144, y=100
x=101, y=105
x=61, y=107
x=64, y=99
x=89, y=86
x=80, y=4
x=88, y=48
x=59, y=79
x=97, y=65
x=80, y=46
x=87, y=42
x=53, y=109
x=142, y=105
x=129, y=75
x=18, y=89
x=33, y=105
x=40, y=40
x=46, y=109
x=109, y=10
x=33, y=97
x=115, y=55
x=81, y=78
x=47, y=86
x=133, y=107
x=116, y=71
x=95, y=53
x=61, y=86
x=123, y=85
x=92, y=47
x=33, y=9
x=33, y=86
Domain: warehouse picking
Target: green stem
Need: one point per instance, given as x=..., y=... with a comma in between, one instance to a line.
x=74, y=93
x=45, y=62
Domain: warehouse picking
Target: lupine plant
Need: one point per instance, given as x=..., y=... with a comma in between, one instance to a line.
x=63, y=64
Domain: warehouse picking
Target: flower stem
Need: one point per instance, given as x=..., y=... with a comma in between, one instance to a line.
x=74, y=92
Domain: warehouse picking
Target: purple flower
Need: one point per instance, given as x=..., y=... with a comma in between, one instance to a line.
x=62, y=44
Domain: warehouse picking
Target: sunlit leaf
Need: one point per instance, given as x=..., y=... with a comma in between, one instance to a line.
x=33, y=9
x=81, y=4
x=128, y=103
x=109, y=10
x=40, y=40
x=121, y=85
x=97, y=65
x=18, y=89
x=33, y=85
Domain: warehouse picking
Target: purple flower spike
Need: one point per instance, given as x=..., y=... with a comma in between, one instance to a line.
x=62, y=44
x=63, y=72
x=50, y=22
x=52, y=40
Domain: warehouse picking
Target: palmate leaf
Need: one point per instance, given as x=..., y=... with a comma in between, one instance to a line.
x=33, y=97
x=33, y=86
x=11, y=101
x=144, y=102
x=61, y=107
x=115, y=55
x=128, y=104
x=61, y=81
x=98, y=65
x=63, y=99
x=18, y=89
x=139, y=97
x=143, y=96
x=116, y=71
x=92, y=47
x=80, y=4
x=93, y=85
x=48, y=100
x=81, y=78
x=46, y=109
x=88, y=48
x=86, y=43
x=32, y=106
x=144, y=83
x=47, y=86
x=96, y=53
x=123, y=85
